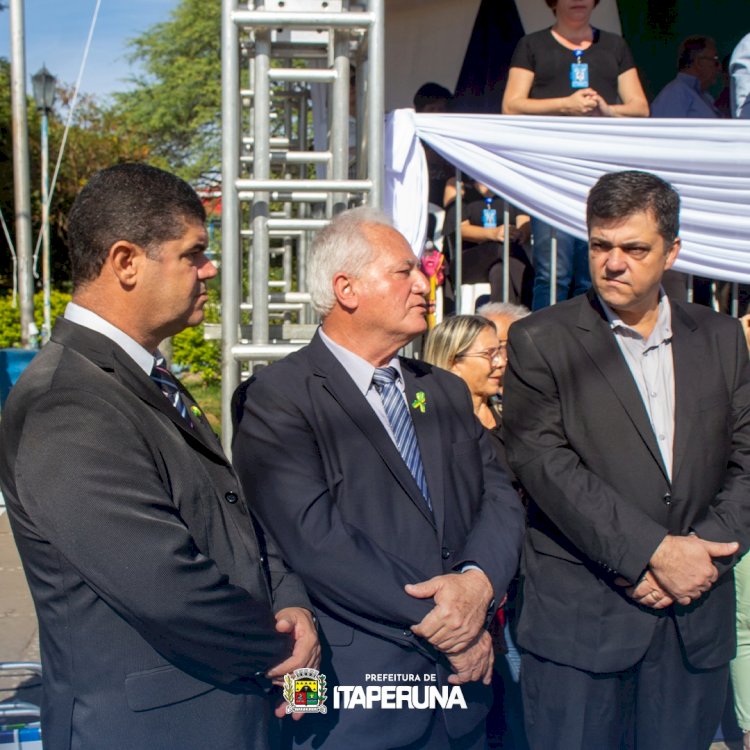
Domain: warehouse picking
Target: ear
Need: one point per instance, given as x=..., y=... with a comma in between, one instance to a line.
x=125, y=260
x=672, y=253
x=346, y=295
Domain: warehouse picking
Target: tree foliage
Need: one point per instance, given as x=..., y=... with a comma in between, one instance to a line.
x=96, y=140
x=176, y=100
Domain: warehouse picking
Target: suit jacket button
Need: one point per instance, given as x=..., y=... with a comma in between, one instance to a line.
x=231, y=497
x=446, y=553
x=667, y=499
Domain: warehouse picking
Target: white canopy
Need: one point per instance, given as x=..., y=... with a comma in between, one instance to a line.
x=546, y=166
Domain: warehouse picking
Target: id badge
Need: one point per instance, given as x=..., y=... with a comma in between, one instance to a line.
x=489, y=218
x=579, y=75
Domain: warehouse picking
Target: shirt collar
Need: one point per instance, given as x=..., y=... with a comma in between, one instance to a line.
x=360, y=370
x=662, y=330
x=691, y=81
x=82, y=316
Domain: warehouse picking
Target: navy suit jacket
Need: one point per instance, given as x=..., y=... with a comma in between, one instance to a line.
x=329, y=483
x=580, y=440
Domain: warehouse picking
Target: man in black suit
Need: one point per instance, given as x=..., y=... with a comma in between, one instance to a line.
x=627, y=418
x=382, y=490
x=162, y=610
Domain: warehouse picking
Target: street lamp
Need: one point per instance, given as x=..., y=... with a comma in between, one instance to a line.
x=43, y=83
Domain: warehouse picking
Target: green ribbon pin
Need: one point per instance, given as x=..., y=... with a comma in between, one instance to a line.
x=420, y=402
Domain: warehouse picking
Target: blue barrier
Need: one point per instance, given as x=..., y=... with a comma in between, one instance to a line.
x=12, y=363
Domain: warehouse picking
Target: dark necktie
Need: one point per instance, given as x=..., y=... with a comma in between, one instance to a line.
x=165, y=380
x=402, y=426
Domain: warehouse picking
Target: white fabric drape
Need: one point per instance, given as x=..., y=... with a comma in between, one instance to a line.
x=546, y=166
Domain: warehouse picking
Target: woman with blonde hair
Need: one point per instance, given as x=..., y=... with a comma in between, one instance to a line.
x=467, y=346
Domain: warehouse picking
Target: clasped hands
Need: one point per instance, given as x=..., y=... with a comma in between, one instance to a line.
x=587, y=102
x=680, y=570
x=455, y=625
x=300, y=624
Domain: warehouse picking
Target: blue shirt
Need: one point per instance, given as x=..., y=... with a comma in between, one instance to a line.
x=739, y=70
x=683, y=97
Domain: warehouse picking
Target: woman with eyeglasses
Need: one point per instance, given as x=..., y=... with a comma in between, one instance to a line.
x=467, y=346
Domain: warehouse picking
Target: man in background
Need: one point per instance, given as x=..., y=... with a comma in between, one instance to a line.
x=739, y=72
x=698, y=67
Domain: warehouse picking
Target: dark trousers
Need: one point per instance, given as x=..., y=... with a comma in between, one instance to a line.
x=660, y=703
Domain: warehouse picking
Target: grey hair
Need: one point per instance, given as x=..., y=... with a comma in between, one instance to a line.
x=516, y=312
x=341, y=247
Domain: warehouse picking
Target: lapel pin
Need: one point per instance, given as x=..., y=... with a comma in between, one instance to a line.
x=195, y=411
x=420, y=402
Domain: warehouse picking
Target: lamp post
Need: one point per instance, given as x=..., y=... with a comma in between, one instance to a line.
x=43, y=83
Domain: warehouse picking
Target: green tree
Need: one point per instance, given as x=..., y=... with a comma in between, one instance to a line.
x=95, y=140
x=6, y=166
x=176, y=100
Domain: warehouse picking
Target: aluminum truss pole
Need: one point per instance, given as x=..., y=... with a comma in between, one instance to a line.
x=376, y=101
x=339, y=116
x=231, y=274
x=21, y=173
x=261, y=171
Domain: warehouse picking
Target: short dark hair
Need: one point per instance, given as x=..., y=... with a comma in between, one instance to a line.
x=553, y=3
x=690, y=49
x=132, y=202
x=430, y=92
x=618, y=195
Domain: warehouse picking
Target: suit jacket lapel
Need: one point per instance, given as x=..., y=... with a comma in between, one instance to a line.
x=599, y=342
x=340, y=385
x=107, y=355
x=688, y=359
x=424, y=417
x=132, y=377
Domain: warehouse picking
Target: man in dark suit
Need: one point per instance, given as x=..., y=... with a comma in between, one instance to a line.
x=382, y=490
x=161, y=608
x=627, y=418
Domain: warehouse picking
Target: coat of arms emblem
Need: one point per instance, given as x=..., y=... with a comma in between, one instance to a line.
x=305, y=691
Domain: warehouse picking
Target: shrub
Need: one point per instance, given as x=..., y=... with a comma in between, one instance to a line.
x=10, y=317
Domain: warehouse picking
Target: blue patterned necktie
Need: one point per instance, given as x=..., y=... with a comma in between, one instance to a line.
x=165, y=380
x=398, y=415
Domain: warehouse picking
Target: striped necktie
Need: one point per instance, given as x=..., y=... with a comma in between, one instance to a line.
x=399, y=418
x=161, y=375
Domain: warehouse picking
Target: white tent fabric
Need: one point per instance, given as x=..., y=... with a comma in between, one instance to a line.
x=546, y=166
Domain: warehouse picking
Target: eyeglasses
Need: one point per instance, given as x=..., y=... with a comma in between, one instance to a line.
x=713, y=58
x=491, y=355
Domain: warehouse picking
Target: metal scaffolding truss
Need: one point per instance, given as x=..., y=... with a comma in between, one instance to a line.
x=279, y=183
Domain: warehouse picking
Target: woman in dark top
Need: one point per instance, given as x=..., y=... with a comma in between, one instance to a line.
x=570, y=69
x=482, y=246
x=539, y=81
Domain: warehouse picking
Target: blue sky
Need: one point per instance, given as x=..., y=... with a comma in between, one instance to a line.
x=56, y=32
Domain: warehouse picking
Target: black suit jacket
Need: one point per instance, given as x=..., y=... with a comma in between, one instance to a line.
x=580, y=440
x=330, y=485
x=150, y=583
